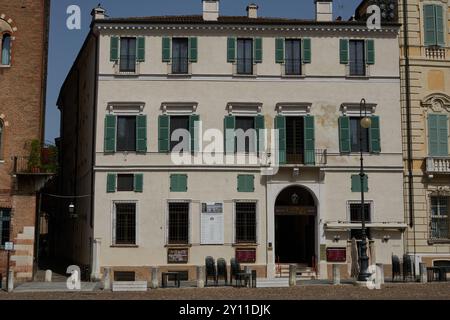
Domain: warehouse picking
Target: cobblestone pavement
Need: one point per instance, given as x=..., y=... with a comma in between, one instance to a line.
x=323, y=292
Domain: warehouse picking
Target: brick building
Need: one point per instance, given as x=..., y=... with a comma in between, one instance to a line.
x=23, y=66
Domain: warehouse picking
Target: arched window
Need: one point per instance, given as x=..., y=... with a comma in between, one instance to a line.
x=6, y=50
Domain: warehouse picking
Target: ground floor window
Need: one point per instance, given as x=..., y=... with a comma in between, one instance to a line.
x=245, y=222
x=439, y=217
x=178, y=224
x=5, y=225
x=125, y=224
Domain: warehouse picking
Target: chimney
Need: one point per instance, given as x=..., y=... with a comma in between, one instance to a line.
x=98, y=13
x=252, y=11
x=324, y=10
x=210, y=10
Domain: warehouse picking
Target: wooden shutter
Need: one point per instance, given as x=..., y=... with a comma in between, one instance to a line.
x=140, y=49
x=193, y=54
x=260, y=125
x=138, y=182
x=356, y=183
x=375, y=144
x=229, y=125
x=194, y=131
x=166, y=49
x=370, y=51
x=111, y=182
x=343, y=51
x=344, y=134
x=306, y=51
x=110, y=133
x=430, y=25
x=309, y=141
x=437, y=135
x=279, y=50
x=163, y=133
x=231, y=49
x=443, y=135
x=280, y=124
x=440, y=37
x=258, y=51
x=245, y=183
x=178, y=183
x=141, y=133
x=114, y=49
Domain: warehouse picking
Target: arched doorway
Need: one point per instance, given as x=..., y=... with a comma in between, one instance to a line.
x=295, y=226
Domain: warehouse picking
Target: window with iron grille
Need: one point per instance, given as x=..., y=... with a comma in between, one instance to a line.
x=180, y=55
x=293, y=60
x=245, y=56
x=125, y=224
x=124, y=276
x=5, y=225
x=127, y=54
x=178, y=223
x=356, y=214
x=440, y=217
x=126, y=133
x=125, y=182
x=357, y=58
x=355, y=131
x=295, y=139
x=245, y=222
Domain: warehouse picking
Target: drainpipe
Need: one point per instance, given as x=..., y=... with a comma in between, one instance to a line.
x=408, y=121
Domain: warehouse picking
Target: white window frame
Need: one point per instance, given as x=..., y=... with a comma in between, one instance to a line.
x=113, y=223
x=166, y=219
x=257, y=221
x=447, y=217
x=372, y=210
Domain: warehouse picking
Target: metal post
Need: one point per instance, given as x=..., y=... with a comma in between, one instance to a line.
x=7, y=269
x=364, y=259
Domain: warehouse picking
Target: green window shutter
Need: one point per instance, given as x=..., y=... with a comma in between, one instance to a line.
x=245, y=183
x=430, y=25
x=440, y=39
x=309, y=141
x=370, y=51
x=193, y=51
x=306, y=51
x=178, y=183
x=375, y=144
x=141, y=133
x=356, y=183
x=140, y=49
x=166, y=49
x=280, y=124
x=231, y=49
x=279, y=50
x=258, y=52
x=111, y=182
x=194, y=131
x=344, y=134
x=138, y=182
x=110, y=134
x=437, y=135
x=260, y=125
x=343, y=51
x=163, y=133
x=114, y=49
x=229, y=124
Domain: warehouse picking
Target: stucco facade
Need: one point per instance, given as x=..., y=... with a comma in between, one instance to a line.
x=212, y=90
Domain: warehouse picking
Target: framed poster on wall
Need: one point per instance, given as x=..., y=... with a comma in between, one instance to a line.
x=246, y=255
x=177, y=255
x=336, y=254
x=211, y=221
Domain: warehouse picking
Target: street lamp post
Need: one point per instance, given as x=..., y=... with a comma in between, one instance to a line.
x=363, y=258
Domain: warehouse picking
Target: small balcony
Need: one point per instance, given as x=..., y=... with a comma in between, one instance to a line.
x=435, y=53
x=316, y=157
x=42, y=160
x=438, y=165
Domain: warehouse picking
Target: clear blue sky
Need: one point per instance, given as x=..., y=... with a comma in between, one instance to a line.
x=65, y=43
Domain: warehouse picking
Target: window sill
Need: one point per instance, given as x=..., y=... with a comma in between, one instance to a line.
x=126, y=74
x=438, y=241
x=249, y=76
x=178, y=246
x=357, y=77
x=293, y=76
x=124, y=246
x=245, y=245
x=5, y=66
x=179, y=75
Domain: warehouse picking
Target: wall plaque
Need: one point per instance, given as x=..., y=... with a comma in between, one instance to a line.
x=178, y=255
x=336, y=254
x=246, y=255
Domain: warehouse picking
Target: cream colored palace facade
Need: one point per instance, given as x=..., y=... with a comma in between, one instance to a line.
x=429, y=58
x=137, y=79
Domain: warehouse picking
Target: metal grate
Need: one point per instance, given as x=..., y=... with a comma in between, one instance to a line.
x=294, y=139
x=245, y=222
x=125, y=223
x=440, y=222
x=178, y=223
x=124, y=276
x=5, y=225
x=355, y=212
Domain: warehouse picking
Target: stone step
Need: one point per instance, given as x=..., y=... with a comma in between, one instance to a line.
x=129, y=286
x=272, y=283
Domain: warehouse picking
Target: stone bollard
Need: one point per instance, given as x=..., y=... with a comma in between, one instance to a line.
x=423, y=273
x=200, y=277
x=292, y=275
x=155, y=280
x=10, y=281
x=380, y=273
x=336, y=274
x=107, y=279
x=48, y=276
